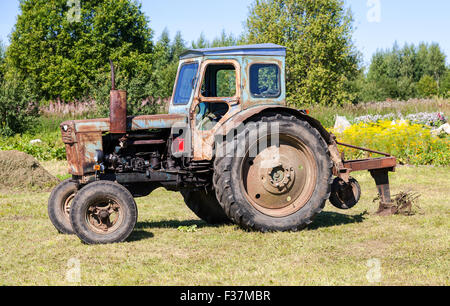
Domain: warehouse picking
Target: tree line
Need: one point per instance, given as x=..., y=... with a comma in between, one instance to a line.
x=404, y=73
x=53, y=57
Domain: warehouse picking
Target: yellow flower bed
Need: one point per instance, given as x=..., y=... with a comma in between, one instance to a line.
x=410, y=143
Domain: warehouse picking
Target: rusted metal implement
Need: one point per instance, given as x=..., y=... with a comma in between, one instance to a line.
x=229, y=144
x=379, y=168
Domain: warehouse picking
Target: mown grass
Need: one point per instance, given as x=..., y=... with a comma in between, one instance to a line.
x=334, y=250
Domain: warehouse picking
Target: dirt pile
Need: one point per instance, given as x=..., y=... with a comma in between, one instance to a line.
x=19, y=170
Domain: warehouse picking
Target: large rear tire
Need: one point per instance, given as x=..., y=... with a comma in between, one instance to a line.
x=205, y=206
x=282, y=186
x=103, y=212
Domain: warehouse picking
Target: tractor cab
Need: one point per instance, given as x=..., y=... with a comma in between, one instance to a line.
x=213, y=85
x=243, y=75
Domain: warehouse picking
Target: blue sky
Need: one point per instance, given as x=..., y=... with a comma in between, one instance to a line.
x=410, y=21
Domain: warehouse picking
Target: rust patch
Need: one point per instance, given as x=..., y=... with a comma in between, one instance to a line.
x=203, y=141
x=74, y=167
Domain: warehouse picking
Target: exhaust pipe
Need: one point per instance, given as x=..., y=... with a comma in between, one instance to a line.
x=118, y=107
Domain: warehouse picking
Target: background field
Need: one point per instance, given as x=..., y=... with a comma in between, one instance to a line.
x=334, y=250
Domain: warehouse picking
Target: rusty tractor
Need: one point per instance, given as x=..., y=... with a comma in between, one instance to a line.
x=229, y=144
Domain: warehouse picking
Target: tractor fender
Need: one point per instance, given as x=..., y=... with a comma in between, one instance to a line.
x=248, y=114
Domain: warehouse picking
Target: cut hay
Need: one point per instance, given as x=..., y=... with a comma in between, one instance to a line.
x=20, y=171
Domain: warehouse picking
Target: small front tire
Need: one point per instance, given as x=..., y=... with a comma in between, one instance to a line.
x=103, y=213
x=59, y=205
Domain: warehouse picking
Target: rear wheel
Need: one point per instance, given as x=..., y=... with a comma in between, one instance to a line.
x=281, y=181
x=103, y=212
x=205, y=206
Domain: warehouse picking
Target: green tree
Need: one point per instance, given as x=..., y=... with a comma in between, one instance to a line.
x=224, y=40
x=166, y=63
x=380, y=82
x=436, y=62
x=163, y=45
x=18, y=105
x=2, y=60
x=321, y=58
x=201, y=42
x=177, y=47
x=395, y=73
x=67, y=57
x=444, y=85
x=427, y=87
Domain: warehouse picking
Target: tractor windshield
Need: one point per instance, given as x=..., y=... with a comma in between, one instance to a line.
x=186, y=84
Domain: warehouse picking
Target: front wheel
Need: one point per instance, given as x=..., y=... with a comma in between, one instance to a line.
x=103, y=212
x=275, y=175
x=59, y=205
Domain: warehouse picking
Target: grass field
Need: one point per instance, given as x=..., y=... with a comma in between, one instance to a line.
x=170, y=246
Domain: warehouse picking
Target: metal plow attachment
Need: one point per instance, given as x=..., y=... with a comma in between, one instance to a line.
x=379, y=168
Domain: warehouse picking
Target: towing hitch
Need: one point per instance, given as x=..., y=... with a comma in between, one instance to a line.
x=379, y=169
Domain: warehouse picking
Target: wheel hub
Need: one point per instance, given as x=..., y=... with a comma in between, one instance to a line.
x=278, y=180
x=104, y=217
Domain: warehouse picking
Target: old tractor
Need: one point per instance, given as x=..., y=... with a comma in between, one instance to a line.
x=229, y=144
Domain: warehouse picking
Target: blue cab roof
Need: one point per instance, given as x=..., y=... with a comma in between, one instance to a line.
x=249, y=50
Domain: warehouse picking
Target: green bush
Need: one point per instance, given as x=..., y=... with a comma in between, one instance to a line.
x=444, y=85
x=427, y=87
x=51, y=146
x=18, y=107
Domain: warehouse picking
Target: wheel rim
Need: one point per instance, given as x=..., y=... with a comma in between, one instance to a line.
x=280, y=180
x=67, y=206
x=104, y=216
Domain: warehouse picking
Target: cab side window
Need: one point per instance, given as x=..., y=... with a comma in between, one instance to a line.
x=219, y=81
x=265, y=81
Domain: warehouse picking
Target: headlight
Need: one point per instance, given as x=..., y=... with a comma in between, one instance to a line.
x=65, y=128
